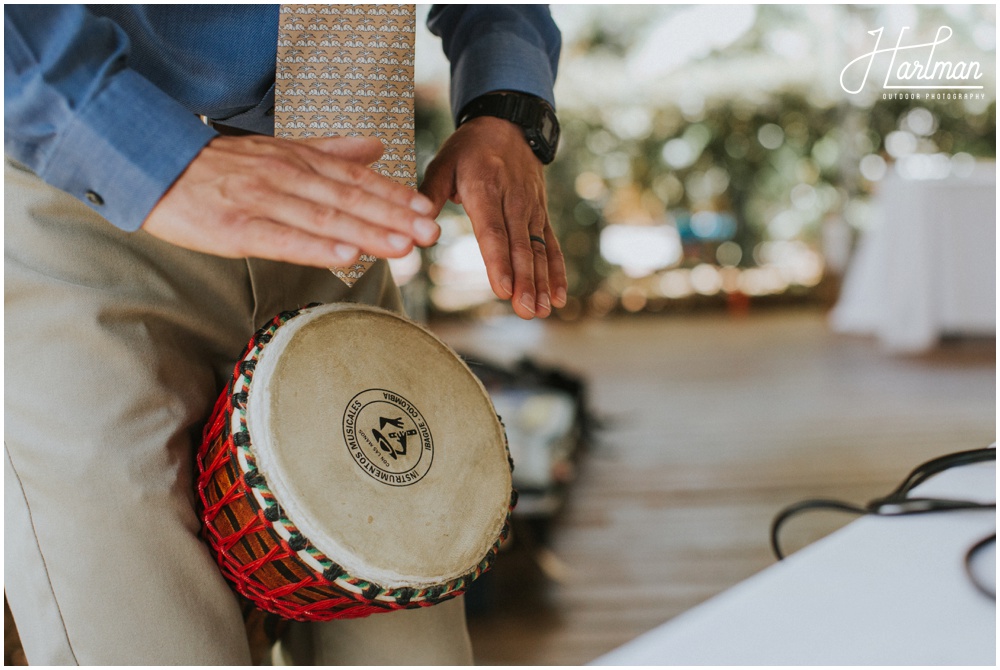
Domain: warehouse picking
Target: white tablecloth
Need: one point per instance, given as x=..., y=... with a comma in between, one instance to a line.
x=881, y=591
x=927, y=267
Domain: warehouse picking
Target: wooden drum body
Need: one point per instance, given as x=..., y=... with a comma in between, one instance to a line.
x=353, y=466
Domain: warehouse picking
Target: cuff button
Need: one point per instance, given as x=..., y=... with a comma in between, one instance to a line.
x=95, y=197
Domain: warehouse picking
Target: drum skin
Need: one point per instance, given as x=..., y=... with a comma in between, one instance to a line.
x=260, y=551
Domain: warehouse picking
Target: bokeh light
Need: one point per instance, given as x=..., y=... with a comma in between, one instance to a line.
x=640, y=250
x=873, y=167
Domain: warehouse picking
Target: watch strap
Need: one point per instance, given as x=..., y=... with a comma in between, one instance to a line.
x=514, y=107
x=522, y=109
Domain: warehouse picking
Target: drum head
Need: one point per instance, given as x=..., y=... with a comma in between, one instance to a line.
x=380, y=445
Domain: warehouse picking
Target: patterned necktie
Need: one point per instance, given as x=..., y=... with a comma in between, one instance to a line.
x=347, y=70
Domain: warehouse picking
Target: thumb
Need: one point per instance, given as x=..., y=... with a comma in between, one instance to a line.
x=365, y=150
x=439, y=183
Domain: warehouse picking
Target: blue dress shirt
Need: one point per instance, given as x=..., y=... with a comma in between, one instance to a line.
x=101, y=101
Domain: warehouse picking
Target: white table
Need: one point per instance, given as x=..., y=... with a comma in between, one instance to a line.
x=927, y=267
x=880, y=591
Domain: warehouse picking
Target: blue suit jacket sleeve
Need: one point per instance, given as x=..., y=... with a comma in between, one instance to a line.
x=497, y=48
x=83, y=121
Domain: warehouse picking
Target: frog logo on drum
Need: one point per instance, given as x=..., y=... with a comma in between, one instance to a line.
x=388, y=437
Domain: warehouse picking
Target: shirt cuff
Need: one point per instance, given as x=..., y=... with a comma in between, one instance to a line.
x=125, y=148
x=500, y=62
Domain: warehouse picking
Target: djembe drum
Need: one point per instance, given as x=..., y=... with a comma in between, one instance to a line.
x=354, y=465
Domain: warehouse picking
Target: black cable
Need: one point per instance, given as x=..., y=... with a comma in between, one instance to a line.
x=792, y=510
x=898, y=503
x=925, y=471
x=970, y=556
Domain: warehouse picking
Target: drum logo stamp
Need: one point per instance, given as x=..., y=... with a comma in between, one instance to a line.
x=388, y=437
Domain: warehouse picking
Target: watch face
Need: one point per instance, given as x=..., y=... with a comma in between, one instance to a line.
x=547, y=127
x=548, y=130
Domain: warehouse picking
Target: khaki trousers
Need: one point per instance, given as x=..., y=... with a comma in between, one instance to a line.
x=116, y=347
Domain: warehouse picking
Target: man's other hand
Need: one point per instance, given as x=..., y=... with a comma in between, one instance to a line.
x=488, y=168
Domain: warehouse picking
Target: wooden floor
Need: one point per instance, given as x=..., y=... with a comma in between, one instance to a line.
x=714, y=424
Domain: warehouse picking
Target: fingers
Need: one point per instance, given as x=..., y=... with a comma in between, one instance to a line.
x=522, y=261
x=261, y=238
x=511, y=225
x=518, y=266
x=360, y=191
x=323, y=156
x=539, y=268
x=393, y=240
x=439, y=182
x=557, y=268
x=543, y=300
x=343, y=160
x=324, y=186
x=491, y=232
x=320, y=206
x=309, y=203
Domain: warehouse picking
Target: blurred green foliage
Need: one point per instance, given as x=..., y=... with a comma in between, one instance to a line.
x=782, y=154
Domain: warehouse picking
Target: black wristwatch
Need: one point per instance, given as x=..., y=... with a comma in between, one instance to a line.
x=535, y=116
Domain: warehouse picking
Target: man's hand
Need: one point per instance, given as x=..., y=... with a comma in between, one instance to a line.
x=487, y=167
x=310, y=202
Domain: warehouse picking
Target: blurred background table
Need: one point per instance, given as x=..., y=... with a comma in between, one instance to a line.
x=927, y=268
x=881, y=591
